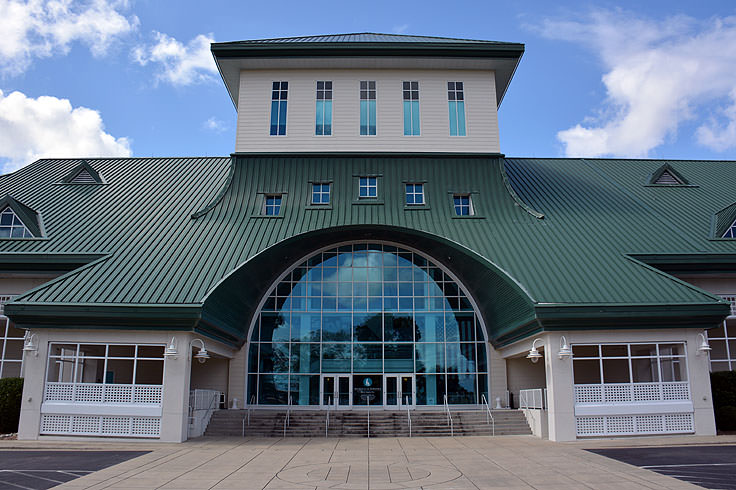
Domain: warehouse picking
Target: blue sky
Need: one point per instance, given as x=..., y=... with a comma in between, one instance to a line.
x=115, y=77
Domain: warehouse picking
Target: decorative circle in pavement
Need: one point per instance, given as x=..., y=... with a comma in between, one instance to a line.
x=355, y=476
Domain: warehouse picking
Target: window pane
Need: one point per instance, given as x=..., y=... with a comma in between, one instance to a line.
x=274, y=327
x=367, y=327
x=671, y=350
x=149, y=372
x=638, y=350
x=644, y=370
x=305, y=390
x=336, y=358
x=586, y=371
x=399, y=327
x=461, y=388
x=673, y=369
x=156, y=351
x=585, y=351
x=273, y=389
x=336, y=327
x=367, y=358
x=274, y=358
x=305, y=358
x=305, y=327
x=121, y=350
x=399, y=358
x=615, y=350
x=616, y=371
x=430, y=358
x=430, y=389
x=119, y=371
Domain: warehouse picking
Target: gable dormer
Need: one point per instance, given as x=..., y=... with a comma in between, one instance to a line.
x=83, y=173
x=666, y=175
x=18, y=220
x=367, y=92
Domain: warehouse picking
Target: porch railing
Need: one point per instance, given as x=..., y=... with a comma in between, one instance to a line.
x=532, y=398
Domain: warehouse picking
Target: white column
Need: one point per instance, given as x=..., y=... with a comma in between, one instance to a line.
x=560, y=398
x=175, y=407
x=34, y=378
x=699, y=373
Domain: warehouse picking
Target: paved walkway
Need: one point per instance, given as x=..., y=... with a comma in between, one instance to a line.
x=443, y=463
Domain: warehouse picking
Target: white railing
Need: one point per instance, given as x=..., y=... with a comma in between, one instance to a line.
x=533, y=398
x=632, y=392
x=408, y=414
x=327, y=416
x=287, y=418
x=449, y=418
x=102, y=393
x=489, y=416
x=202, y=403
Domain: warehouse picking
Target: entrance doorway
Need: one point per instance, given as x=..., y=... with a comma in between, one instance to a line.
x=399, y=390
x=337, y=390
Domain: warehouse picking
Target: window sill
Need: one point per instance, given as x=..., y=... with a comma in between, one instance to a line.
x=474, y=216
x=265, y=216
x=318, y=206
x=416, y=207
x=368, y=201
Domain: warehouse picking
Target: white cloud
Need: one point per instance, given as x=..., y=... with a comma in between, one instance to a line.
x=41, y=28
x=658, y=75
x=47, y=127
x=180, y=64
x=214, y=124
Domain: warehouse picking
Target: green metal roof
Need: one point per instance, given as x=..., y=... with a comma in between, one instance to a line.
x=363, y=37
x=555, y=243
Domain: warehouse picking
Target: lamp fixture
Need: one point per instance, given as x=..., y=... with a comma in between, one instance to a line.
x=534, y=354
x=30, y=346
x=565, y=350
x=171, y=352
x=202, y=355
x=704, y=347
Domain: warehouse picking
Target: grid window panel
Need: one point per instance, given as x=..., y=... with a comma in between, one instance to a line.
x=11, y=226
x=462, y=204
x=368, y=108
x=272, y=204
x=323, y=112
x=279, y=95
x=321, y=193
x=396, y=306
x=414, y=193
x=456, y=105
x=722, y=341
x=11, y=345
x=367, y=187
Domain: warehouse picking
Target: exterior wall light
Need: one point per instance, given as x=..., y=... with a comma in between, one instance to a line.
x=30, y=345
x=202, y=355
x=704, y=347
x=534, y=354
x=171, y=352
x=565, y=350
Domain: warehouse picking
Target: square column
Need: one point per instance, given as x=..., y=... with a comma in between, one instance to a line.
x=560, y=397
x=175, y=400
x=34, y=378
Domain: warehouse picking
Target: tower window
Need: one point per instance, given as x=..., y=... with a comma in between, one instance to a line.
x=367, y=187
x=272, y=204
x=320, y=193
x=323, y=118
x=279, y=94
x=463, y=205
x=411, y=108
x=414, y=194
x=368, y=108
x=456, y=102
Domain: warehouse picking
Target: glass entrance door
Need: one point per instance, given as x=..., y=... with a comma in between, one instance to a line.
x=399, y=390
x=336, y=390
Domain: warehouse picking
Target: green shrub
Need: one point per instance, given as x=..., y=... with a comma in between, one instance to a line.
x=723, y=386
x=11, y=392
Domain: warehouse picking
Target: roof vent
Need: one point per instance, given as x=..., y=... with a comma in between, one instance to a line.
x=83, y=174
x=667, y=179
x=666, y=175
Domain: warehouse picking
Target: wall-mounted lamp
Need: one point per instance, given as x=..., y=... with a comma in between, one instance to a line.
x=704, y=347
x=534, y=354
x=565, y=350
x=202, y=355
x=171, y=352
x=30, y=345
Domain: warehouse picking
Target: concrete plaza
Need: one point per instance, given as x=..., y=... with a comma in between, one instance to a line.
x=444, y=463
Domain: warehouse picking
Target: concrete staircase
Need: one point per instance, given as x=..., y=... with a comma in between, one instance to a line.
x=354, y=423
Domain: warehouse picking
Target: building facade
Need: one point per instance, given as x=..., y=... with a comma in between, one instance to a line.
x=367, y=246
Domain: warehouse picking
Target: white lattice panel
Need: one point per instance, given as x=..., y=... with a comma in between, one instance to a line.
x=676, y=391
x=143, y=426
x=590, y=426
x=116, y=426
x=613, y=393
x=89, y=393
x=647, y=392
x=55, y=424
x=612, y=425
x=85, y=424
x=59, y=392
x=97, y=425
x=148, y=394
x=678, y=422
x=118, y=394
x=731, y=299
x=588, y=394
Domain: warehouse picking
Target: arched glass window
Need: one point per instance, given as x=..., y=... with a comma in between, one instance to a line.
x=367, y=323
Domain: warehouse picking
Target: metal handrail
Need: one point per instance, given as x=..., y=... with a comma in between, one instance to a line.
x=408, y=414
x=287, y=419
x=489, y=415
x=449, y=418
x=369, y=417
x=327, y=417
x=250, y=407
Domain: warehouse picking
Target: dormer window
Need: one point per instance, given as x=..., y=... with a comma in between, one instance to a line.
x=462, y=204
x=11, y=225
x=731, y=231
x=321, y=193
x=414, y=194
x=368, y=187
x=272, y=204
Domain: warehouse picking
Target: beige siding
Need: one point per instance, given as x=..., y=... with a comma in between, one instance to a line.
x=255, y=107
